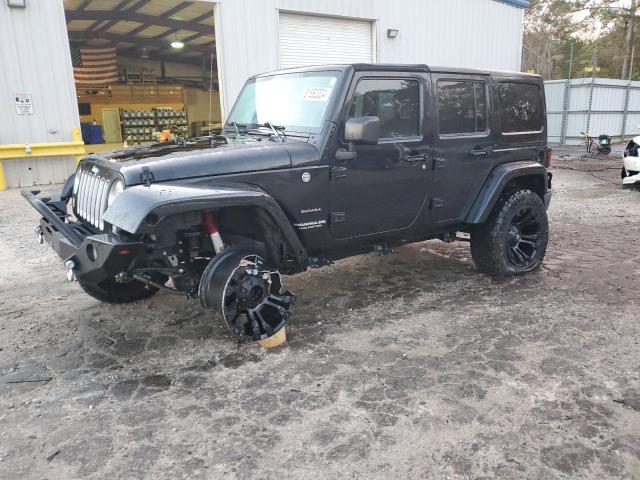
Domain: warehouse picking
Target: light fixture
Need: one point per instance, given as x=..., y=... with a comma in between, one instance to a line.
x=144, y=53
x=392, y=32
x=17, y=3
x=177, y=44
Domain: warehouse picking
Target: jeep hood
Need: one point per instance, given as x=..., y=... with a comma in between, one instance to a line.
x=199, y=159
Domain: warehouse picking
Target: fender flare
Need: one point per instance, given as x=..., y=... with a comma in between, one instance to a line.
x=495, y=183
x=133, y=209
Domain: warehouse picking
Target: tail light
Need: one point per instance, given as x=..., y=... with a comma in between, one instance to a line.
x=547, y=158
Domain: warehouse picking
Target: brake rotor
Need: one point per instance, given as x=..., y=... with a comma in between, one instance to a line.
x=247, y=293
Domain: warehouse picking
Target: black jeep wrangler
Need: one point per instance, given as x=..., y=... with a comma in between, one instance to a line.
x=313, y=165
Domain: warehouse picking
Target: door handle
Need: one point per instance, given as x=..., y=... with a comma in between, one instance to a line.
x=481, y=152
x=413, y=159
x=338, y=172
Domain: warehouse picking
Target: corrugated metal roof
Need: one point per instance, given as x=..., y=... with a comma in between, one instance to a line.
x=516, y=3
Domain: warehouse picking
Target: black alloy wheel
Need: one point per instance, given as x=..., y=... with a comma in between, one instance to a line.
x=513, y=240
x=247, y=293
x=523, y=238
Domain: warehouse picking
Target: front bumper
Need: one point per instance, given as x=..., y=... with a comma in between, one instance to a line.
x=94, y=257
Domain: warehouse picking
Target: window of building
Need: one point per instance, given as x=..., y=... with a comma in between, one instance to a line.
x=462, y=107
x=521, y=108
x=396, y=102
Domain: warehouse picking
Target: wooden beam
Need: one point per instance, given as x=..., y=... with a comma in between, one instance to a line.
x=132, y=53
x=194, y=20
x=139, y=29
x=202, y=17
x=206, y=49
x=102, y=26
x=84, y=4
x=131, y=16
x=176, y=9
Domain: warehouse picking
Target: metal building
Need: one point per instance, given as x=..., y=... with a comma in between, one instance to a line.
x=255, y=36
x=38, y=106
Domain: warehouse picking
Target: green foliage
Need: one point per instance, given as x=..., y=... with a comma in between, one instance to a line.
x=553, y=27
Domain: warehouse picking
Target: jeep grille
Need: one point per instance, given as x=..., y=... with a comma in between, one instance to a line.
x=91, y=197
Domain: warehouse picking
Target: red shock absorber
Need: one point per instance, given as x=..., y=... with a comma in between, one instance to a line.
x=210, y=224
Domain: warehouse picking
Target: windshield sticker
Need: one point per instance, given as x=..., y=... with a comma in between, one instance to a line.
x=316, y=94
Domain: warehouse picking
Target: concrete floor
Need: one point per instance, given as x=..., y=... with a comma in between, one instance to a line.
x=407, y=366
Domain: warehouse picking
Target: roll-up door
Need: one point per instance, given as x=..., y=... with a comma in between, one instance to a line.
x=316, y=40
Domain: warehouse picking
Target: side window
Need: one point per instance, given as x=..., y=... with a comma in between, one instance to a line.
x=396, y=102
x=462, y=107
x=521, y=108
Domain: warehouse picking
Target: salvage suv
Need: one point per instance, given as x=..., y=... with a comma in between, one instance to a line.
x=313, y=165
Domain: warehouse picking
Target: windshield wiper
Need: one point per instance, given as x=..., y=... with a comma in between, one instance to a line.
x=278, y=130
x=235, y=125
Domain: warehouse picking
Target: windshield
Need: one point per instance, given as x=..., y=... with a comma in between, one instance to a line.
x=296, y=101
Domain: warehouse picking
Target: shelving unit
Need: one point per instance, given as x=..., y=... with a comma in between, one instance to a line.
x=166, y=117
x=140, y=125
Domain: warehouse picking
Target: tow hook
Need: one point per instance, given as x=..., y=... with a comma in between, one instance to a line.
x=71, y=274
x=38, y=230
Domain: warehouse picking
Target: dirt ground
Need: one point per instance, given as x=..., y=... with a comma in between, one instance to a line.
x=409, y=366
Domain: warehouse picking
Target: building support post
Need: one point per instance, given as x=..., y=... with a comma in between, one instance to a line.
x=625, y=115
x=565, y=101
x=594, y=62
x=3, y=177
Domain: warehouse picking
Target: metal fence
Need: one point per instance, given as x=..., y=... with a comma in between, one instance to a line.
x=594, y=105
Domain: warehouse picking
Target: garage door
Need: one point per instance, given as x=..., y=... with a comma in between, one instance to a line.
x=314, y=40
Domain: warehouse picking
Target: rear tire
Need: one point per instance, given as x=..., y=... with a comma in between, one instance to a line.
x=623, y=173
x=116, y=290
x=514, y=238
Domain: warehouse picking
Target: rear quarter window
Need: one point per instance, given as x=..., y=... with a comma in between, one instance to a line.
x=520, y=108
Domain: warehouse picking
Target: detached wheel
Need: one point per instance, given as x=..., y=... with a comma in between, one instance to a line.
x=247, y=292
x=514, y=238
x=121, y=289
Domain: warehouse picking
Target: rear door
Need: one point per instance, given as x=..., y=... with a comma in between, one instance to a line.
x=463, y=147
x=520, y=132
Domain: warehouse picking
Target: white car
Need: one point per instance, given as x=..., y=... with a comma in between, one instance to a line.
x=631, y=158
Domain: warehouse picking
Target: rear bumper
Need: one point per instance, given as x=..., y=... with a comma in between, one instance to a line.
x=547, y=195
x=95, y=257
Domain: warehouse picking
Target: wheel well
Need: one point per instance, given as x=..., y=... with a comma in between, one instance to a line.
x=535, y=183
x=250, y=225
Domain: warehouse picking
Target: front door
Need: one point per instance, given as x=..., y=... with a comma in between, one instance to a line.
x=385, y=186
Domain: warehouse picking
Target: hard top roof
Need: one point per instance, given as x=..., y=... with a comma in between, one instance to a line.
x=393, y=67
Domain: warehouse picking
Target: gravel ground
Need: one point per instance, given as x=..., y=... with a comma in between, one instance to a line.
x=406, y=366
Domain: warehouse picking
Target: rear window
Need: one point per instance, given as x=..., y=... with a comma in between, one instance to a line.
x=462, y=107
x=521, y=109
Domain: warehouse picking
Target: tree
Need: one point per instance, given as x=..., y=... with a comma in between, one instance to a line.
x=549, y=29
x=552, y=27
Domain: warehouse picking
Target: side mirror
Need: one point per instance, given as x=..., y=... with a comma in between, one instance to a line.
x=362, y=130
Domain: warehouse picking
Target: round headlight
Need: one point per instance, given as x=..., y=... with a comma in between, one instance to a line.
x=116, y=189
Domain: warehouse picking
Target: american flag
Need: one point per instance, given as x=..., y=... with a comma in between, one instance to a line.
x=94, y=66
